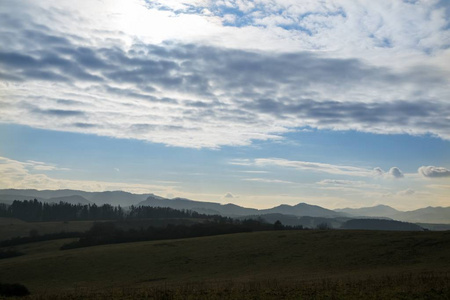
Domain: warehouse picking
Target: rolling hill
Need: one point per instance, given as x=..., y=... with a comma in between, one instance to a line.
x=274, y=265
x=379, y=224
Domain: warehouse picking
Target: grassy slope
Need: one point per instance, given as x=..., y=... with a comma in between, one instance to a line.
x=294, y=255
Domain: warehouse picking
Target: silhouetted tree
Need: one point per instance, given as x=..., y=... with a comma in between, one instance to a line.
x=277, y=225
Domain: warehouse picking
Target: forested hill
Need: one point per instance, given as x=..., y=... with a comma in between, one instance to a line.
x=378, y=224
x=35, y=211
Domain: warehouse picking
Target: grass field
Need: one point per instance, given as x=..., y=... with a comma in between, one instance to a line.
x=10, y=227
x=261, y=265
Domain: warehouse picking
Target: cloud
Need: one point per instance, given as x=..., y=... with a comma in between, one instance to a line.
x=339, y=182
x=304, y=165
x=395, y=172
x=265, y=180
x=434, y=172
x=352, y=186
x=378, y=171
x=158, y=85
x=252, y=171
x=22, y=175
x=407, y=192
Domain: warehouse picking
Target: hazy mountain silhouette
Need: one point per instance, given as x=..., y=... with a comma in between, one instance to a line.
x=117, y=198
x=99, y=198
x=426, y=215
x=46, y=194
x=199, y=206
x=233, y=210
x=75, y=199
x=374, y=211
x=303, y=209
x=8, y=199
x=423, y=215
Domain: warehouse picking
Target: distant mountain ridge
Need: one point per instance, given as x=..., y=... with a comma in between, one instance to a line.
x=421, y=215
x=431, y=215
x=201, y=207
x=374, y=211
x=303, y=209
x=233, y=210
x=75, y=199
x=109, y=197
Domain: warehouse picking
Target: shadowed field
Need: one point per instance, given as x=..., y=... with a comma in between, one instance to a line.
x=11, y=228
x=260, y=265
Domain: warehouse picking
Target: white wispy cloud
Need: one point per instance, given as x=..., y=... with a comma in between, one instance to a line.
x=305, y=165
x=42, y=166
x=22, y=175
x=268, y=180
x=351, y=183
x=253, y=171
x=351, y=186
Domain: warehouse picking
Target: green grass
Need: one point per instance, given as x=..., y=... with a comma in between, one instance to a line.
x=10, y=227
x=277, y=264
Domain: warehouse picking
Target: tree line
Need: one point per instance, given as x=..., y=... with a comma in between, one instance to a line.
x=111, y=232
x=126, y=225
x=36, y=211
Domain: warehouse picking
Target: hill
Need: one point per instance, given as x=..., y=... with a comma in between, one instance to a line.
x=116, y=198
x=303, y=209
x=422, y=215
x=75, y=199
x=427, y=215
x=288, y=264
x=305, y=221
x=11, y=228
x=378, y=224
x=99, y=198
x=231, y=210
x=375, y=211
x=8, y=199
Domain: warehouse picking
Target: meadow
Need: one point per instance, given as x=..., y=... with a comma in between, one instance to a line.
x=12, y=227
x=321, y=264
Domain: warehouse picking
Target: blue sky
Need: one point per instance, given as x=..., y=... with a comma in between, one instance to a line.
x=257, y=103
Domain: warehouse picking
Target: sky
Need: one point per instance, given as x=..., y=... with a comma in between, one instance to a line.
x=258, y=103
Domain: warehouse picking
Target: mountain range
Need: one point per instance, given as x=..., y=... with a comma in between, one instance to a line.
x=50, y=196
x=290, y=213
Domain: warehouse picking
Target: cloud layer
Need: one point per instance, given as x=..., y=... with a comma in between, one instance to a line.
x=199, y=95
